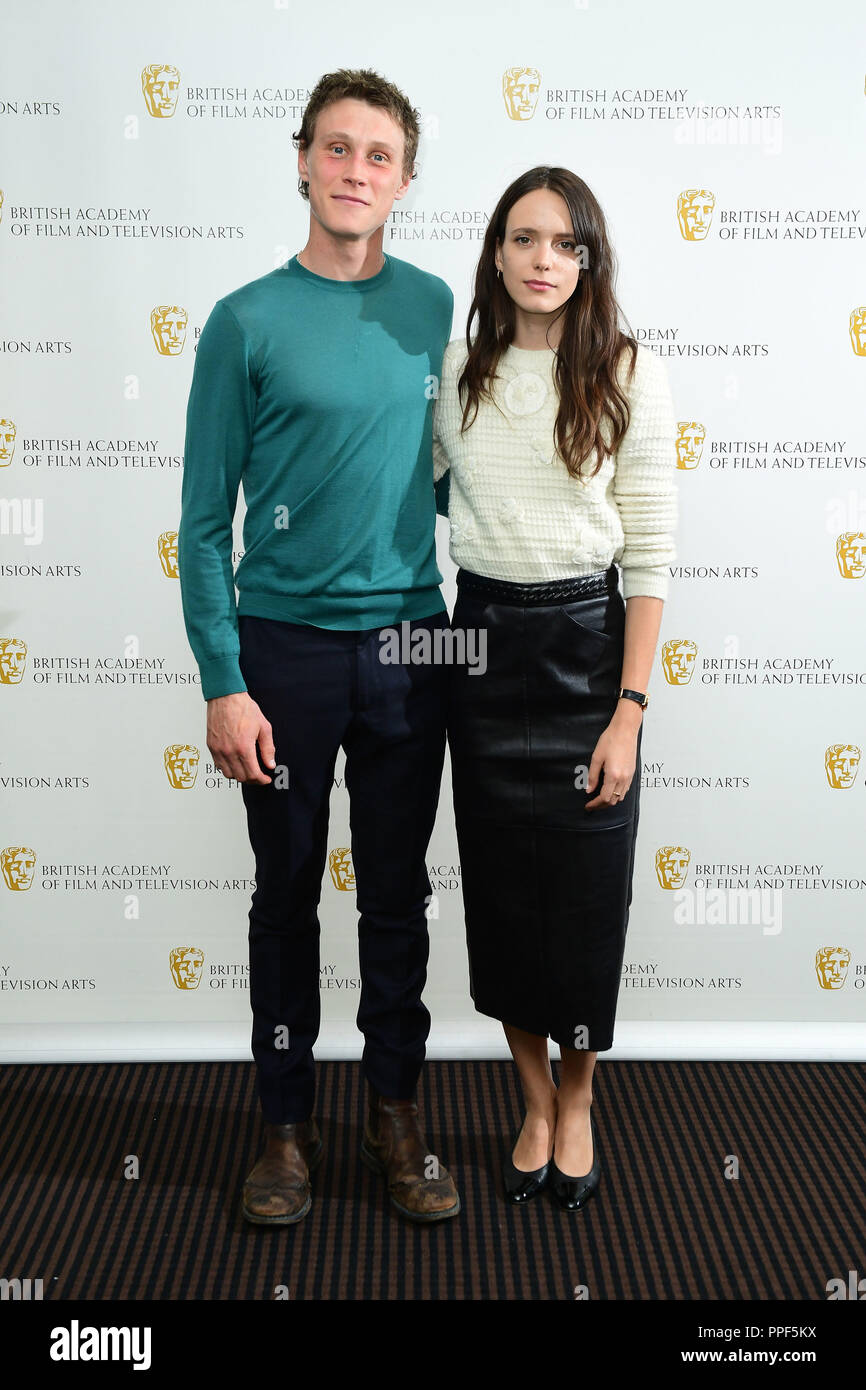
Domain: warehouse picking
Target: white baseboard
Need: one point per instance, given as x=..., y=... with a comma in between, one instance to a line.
x=160, y=1042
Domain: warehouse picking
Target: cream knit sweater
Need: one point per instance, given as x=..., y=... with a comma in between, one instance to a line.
x=517, y=514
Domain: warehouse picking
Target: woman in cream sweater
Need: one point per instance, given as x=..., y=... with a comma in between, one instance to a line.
x=560, y=436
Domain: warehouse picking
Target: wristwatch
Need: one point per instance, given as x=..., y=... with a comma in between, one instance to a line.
x=642, y=700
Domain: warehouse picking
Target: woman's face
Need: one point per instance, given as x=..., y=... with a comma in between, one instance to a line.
x=539, y=258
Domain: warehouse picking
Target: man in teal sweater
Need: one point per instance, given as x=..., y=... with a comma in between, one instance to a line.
x=313, y=387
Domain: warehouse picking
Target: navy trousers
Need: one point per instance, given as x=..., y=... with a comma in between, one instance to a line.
x=322, y=689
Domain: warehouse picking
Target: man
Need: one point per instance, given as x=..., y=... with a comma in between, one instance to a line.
x=313, y=386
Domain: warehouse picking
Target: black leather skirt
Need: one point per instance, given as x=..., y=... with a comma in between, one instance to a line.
x=547, y=885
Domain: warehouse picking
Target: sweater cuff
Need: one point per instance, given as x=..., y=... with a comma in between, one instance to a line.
x=221, y=676
x=653, y=583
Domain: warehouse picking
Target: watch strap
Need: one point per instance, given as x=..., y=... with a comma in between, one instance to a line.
x=637, y=695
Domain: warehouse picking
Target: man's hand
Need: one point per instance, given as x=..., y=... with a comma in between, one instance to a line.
x=234, y=725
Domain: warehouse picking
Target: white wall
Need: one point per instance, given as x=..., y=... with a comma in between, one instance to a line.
x=754, y=330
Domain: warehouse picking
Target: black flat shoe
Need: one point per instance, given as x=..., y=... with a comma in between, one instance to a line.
x=572, y=1194
x=520, y=1187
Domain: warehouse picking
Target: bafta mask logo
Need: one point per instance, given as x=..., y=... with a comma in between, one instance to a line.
x=160, y=83
x=1, y=204
x=678, y=660
x=13, y=654
x=695, y=213
x=7, y=442
x=841, y=761
x=690, y=441
x=167, y=549
x=168, y=325
x=186, y=963
x=851, y=554
x=520, y=91
x=672, y=865
x=831, y=966
x=18, y=864
x=340, y=864
x=857, y=329
x=181, y=765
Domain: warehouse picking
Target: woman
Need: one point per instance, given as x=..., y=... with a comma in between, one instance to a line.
x=559, y=433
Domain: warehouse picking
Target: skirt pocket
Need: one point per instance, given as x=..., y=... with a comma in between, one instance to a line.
x=591, y=641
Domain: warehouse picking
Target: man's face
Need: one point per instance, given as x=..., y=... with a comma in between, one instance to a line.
x=354, y=167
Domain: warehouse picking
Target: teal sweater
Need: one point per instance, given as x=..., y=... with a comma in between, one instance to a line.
x=317, y=394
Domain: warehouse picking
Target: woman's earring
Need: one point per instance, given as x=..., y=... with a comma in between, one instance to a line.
x=499, y=273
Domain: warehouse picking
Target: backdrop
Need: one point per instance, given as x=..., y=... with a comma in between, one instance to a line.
x=148, y=170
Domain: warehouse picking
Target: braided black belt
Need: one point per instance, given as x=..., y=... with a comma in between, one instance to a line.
x=553, y=591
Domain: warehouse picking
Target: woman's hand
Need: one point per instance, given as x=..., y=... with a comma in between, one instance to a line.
x=616, y=754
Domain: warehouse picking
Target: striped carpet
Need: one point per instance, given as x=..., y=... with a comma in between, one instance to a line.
x=666, y=1224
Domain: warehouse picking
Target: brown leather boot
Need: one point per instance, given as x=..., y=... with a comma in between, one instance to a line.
x=419, y=1185
x=277, y=1191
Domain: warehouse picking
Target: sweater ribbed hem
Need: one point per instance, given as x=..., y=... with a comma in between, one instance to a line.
x=345, y=612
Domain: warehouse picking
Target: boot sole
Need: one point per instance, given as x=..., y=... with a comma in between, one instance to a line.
x=423, y=1218
x=258, y=1220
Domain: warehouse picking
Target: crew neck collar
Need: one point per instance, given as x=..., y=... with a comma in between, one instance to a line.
x=538, y=353
x=371, y=282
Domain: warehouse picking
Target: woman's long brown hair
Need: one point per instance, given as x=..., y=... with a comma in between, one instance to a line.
x=591, y=342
